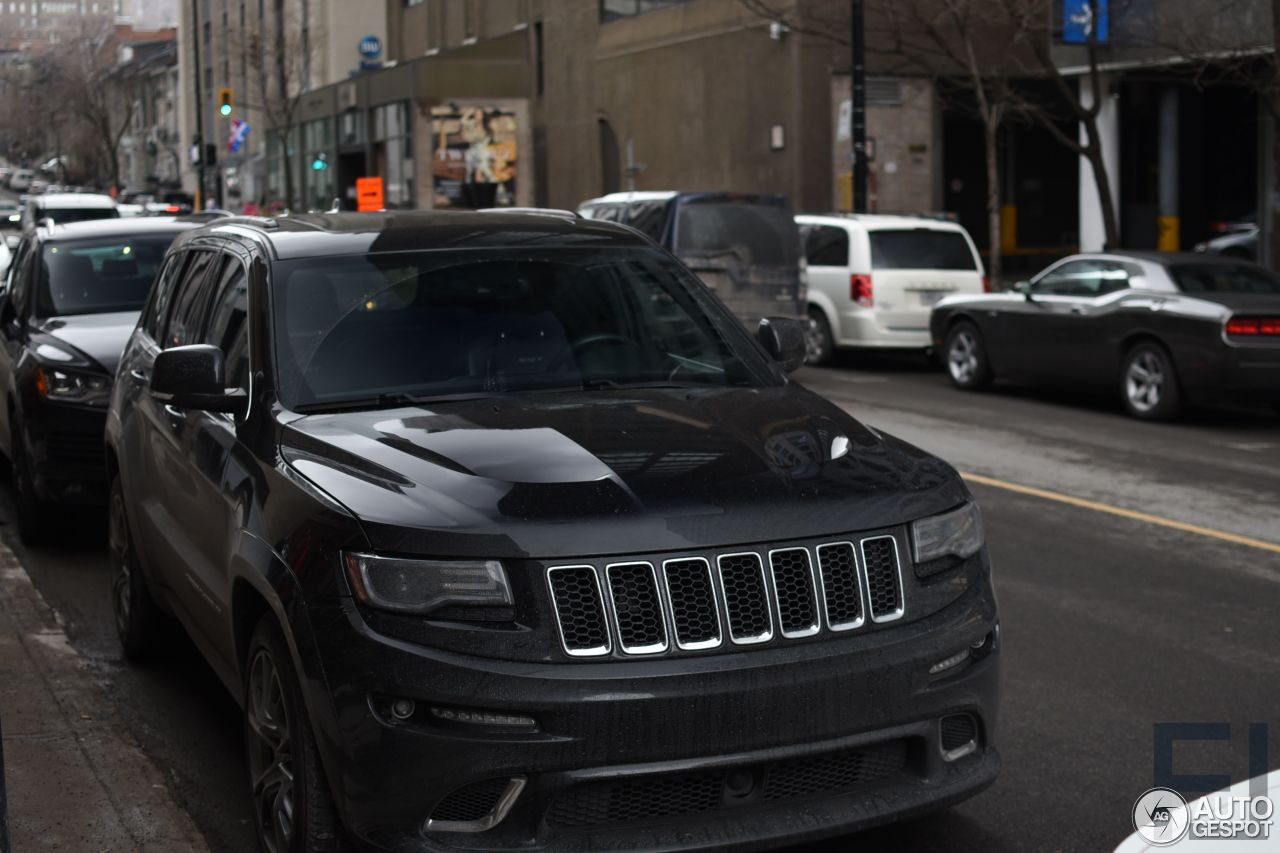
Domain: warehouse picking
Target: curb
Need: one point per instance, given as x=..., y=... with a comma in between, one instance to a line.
x=77, y=779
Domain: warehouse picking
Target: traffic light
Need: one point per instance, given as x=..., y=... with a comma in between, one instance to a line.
x=320, y=162
x=226, y=100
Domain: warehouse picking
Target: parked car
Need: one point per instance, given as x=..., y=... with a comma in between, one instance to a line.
x=70, y=302
x=20, y=180
x=506, y=534
x=1236, y=242
x=1161, y=329
x=10, y=215
x=65, y=208
x=38, y=186
x=744, y=247
x=874, y=279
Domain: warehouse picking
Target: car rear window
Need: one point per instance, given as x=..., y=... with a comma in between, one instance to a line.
x=920, y=249
x=65, y=215
x=1224, y=278
x=754, y=232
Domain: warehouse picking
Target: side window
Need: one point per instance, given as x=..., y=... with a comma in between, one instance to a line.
x=228, y=320
x=20, y=283
x=188, y=303
x=160, y=293
x=1083, y=278
x=649, y=218
x=826, y=246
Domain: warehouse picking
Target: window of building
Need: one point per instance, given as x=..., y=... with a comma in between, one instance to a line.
x=318, y=164
x=612, y=10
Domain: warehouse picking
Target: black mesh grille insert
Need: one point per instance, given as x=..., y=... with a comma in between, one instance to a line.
x=637, y=607
x=793, y=585
x=880, y=555
x=840, y=587
x=621, y=802
x=577, y=600
x=693, y=602
x=745, y=599
x=471, y=802
x=830, y=773
x=958, y=730
x=661, y=797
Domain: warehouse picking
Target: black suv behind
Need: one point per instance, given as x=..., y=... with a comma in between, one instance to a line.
x=68, y=306
x=507, y=535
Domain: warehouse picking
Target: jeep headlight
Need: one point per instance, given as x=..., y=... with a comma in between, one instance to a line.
x=408, y=585
x=957, y=533
x=72, y=386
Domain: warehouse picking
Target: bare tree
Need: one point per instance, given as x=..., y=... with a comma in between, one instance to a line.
x=278, y=53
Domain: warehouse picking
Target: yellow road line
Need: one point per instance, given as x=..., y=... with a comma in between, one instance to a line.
x=1096, y=506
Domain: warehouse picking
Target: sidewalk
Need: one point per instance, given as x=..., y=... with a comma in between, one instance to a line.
x=76, y=779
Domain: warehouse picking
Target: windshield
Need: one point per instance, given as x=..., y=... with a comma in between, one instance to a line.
x=66, y=215
x=364, y=329
x=757, y=233
x=1225, y=278
x=98, y=276
x=920, y=249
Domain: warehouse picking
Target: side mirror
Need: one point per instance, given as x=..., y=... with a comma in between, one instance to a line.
x=1024, y=287
x=193, y=377
x=784, y=339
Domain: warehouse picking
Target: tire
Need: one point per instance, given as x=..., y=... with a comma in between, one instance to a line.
x=1149, y=383
x=965, y=357
x=137, y=618
x=822, y=344
x=34, y=514
x=293, y=808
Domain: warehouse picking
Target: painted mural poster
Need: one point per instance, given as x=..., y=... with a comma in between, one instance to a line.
x=474, y=158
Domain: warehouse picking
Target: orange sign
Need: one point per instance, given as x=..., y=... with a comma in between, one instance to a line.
x=369, y=196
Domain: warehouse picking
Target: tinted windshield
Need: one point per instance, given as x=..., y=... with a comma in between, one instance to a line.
x=759, y=233
x=449, y=323
x=920, y=249
x=1224, y=278
x=65, y=215
x=98, y=276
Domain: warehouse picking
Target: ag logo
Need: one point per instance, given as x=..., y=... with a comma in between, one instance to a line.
x=1160, y=816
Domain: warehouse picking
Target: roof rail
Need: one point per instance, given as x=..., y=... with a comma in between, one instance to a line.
x=544, y=211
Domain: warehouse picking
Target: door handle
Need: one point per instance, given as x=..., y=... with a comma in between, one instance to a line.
x=175, y=414
x=1077, y=309
x=140, y=375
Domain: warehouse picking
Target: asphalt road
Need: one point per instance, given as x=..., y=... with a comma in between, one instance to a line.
x=1111, y=624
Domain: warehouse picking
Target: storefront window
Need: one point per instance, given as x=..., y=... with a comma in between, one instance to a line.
x=317, y=165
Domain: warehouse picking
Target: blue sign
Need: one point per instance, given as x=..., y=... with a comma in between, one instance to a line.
x=1078, y=21
x=370, y=47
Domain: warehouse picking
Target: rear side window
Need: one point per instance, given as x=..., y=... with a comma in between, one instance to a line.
x=921, y=249
x=826, y=246
x=1225, y=278
x=189, y=303
x=648, y=217
x=755, y=233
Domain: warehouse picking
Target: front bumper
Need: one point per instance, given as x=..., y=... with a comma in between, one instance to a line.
x=672, y=732
x=68, y=451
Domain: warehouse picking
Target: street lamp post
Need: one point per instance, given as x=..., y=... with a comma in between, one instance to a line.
x=858, y=82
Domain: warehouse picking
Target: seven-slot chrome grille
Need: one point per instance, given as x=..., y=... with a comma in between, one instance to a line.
x=739, y=598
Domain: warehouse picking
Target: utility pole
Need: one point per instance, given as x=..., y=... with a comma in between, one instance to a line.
x=195, y=41
x=858, y=81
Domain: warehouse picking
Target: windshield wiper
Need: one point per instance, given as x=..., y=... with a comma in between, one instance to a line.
x=602, y=384
x=389, y=401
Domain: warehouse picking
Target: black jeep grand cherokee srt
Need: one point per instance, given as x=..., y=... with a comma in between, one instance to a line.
x=506, y=535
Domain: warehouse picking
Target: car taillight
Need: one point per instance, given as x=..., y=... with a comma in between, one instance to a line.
x=860, y=289
x=986, y=284
x=1253, y=326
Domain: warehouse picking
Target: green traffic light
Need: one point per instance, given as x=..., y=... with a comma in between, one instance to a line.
x=225, y=109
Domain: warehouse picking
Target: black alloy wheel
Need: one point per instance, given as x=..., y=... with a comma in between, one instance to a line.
x=291, y=799
x=136, y=614
x=33, y=513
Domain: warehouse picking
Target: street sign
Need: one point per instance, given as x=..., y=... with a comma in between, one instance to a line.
x=370, y=50
x=1078, y=21
x=369, y=195
x=238, y=136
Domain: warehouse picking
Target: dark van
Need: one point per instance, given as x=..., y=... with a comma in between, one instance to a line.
x=746, y=248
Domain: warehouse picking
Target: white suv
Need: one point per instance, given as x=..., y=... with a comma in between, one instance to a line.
x=874, y=279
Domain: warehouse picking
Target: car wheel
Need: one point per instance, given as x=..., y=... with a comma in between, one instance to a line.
x=33, y=513
x=136, y=614
x=966, y=357
x=1148, y=383
x=821, y=343
x=291, y=799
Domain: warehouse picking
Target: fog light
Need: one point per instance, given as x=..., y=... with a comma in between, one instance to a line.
x=402, y=709
x=483, y=718
x=949, y=663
